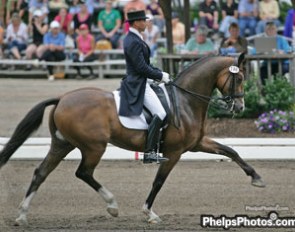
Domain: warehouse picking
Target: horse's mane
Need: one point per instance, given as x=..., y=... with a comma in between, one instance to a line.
x=198, y=62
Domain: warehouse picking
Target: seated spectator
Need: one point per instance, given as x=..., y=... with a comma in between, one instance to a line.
x=35, y=49
x=74, y=7
x=1, y=40
x=156, y=11
x=12, y=6
x=282, y=48
x=83, y=17
x=54, y=42
x=234, y=43
x=208, y=13
x=90, y=5
x=151, y=34
x=178, y=32
x=268, y=11
x=17, y=36
x=229, y=11
x=38, y=5
x=86, y=47
x=200, y=44
x=109, y=23
x=57, y=4
x=248, y=12
x=289, y=26
x=65, y=20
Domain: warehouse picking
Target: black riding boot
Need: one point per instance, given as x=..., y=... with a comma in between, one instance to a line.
x=150, y=153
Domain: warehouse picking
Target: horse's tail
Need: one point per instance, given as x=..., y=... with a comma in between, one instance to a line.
x=25, y=128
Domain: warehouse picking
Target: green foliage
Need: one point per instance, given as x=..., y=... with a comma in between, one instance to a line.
x=253, y=104
x=284, y=7
x=278, y=94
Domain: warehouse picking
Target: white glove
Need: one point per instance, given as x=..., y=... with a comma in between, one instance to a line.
x=165, y=77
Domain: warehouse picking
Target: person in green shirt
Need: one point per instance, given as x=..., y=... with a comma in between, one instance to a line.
x=109, y=23
x=200, y=44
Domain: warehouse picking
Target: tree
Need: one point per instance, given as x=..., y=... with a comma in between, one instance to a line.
x=166, y=6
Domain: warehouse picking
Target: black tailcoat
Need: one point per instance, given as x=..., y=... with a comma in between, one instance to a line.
x=137, y=55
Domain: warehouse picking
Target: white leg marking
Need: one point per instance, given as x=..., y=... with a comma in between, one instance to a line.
x=23, y=210
x=59, y=135
x=153, y=218
x=110, y=200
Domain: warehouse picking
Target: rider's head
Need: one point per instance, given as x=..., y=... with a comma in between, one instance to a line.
x=137, y=20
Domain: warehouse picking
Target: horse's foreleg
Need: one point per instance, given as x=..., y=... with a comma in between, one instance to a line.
x=162, y=174
x=210, y=146
x=57, y=152
x=90, y=159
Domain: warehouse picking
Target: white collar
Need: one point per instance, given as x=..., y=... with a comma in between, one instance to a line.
x=136, y=32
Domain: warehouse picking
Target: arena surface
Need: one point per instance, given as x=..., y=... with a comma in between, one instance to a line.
x=64, y=203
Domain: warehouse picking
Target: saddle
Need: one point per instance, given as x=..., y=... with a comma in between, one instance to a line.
x=142, y=121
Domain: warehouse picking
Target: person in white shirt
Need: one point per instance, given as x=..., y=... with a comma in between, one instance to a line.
x=151, y=34
x=17, y=36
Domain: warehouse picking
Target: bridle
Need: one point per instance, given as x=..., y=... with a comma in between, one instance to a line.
x=228, y=99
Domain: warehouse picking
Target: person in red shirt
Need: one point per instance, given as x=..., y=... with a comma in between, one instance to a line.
x=65, y=20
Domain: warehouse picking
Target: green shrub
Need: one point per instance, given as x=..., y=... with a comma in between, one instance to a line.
x=278, y=94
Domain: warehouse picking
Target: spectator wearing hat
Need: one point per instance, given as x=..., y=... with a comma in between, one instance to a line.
x=200, y=44
x=86, y=47
x=135, y=89
x=109, y=23
x=38, y=5
x=234, y=43
x=208, y=13
x=178, y=32
x=39, y=27
x=83, y=17
x=17, y=36
x=151, y=34
x=54, y=42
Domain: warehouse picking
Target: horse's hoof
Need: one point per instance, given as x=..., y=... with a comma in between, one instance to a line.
x=113, y=211
x=258, y=183
x=21, y=221
x=154, y=220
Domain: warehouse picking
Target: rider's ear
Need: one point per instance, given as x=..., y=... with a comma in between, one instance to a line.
x=241, y=59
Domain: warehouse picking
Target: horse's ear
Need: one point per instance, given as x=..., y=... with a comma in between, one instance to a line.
x=241, y=59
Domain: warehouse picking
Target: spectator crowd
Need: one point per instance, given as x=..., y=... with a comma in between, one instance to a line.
x=42, y=29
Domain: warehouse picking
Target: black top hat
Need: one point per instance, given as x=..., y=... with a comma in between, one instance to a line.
x=136, y=15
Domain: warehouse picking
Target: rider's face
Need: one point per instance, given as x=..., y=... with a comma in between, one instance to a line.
x=141, y=25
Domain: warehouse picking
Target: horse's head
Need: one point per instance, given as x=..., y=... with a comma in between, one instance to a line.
x=230, y=84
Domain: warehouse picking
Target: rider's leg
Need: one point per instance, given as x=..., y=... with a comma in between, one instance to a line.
x=152, y=102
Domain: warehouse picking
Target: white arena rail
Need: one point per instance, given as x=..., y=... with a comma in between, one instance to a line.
x=248, y=148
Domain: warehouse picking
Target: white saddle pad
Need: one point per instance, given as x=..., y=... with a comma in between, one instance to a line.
x=135, y=122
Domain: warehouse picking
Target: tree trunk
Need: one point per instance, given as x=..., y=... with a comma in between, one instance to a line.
x=186, y=10
x=167, y=9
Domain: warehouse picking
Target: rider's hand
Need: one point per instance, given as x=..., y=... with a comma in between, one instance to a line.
x=165, y=77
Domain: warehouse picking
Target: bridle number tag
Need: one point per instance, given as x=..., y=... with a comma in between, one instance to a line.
x=234, y=69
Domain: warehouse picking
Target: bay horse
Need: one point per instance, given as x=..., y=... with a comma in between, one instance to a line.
x=87, y=119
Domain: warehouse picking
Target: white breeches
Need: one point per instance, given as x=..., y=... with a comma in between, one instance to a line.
x=152, y=102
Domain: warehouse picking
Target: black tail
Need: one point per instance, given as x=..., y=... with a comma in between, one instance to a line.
x=25, y=128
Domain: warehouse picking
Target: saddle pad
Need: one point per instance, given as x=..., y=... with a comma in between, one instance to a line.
x=135, y=122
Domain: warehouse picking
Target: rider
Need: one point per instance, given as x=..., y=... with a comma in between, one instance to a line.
x=135, y=88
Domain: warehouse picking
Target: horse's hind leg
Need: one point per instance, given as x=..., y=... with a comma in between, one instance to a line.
x=58, y=150
x=210, y=146
x=90, y=159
